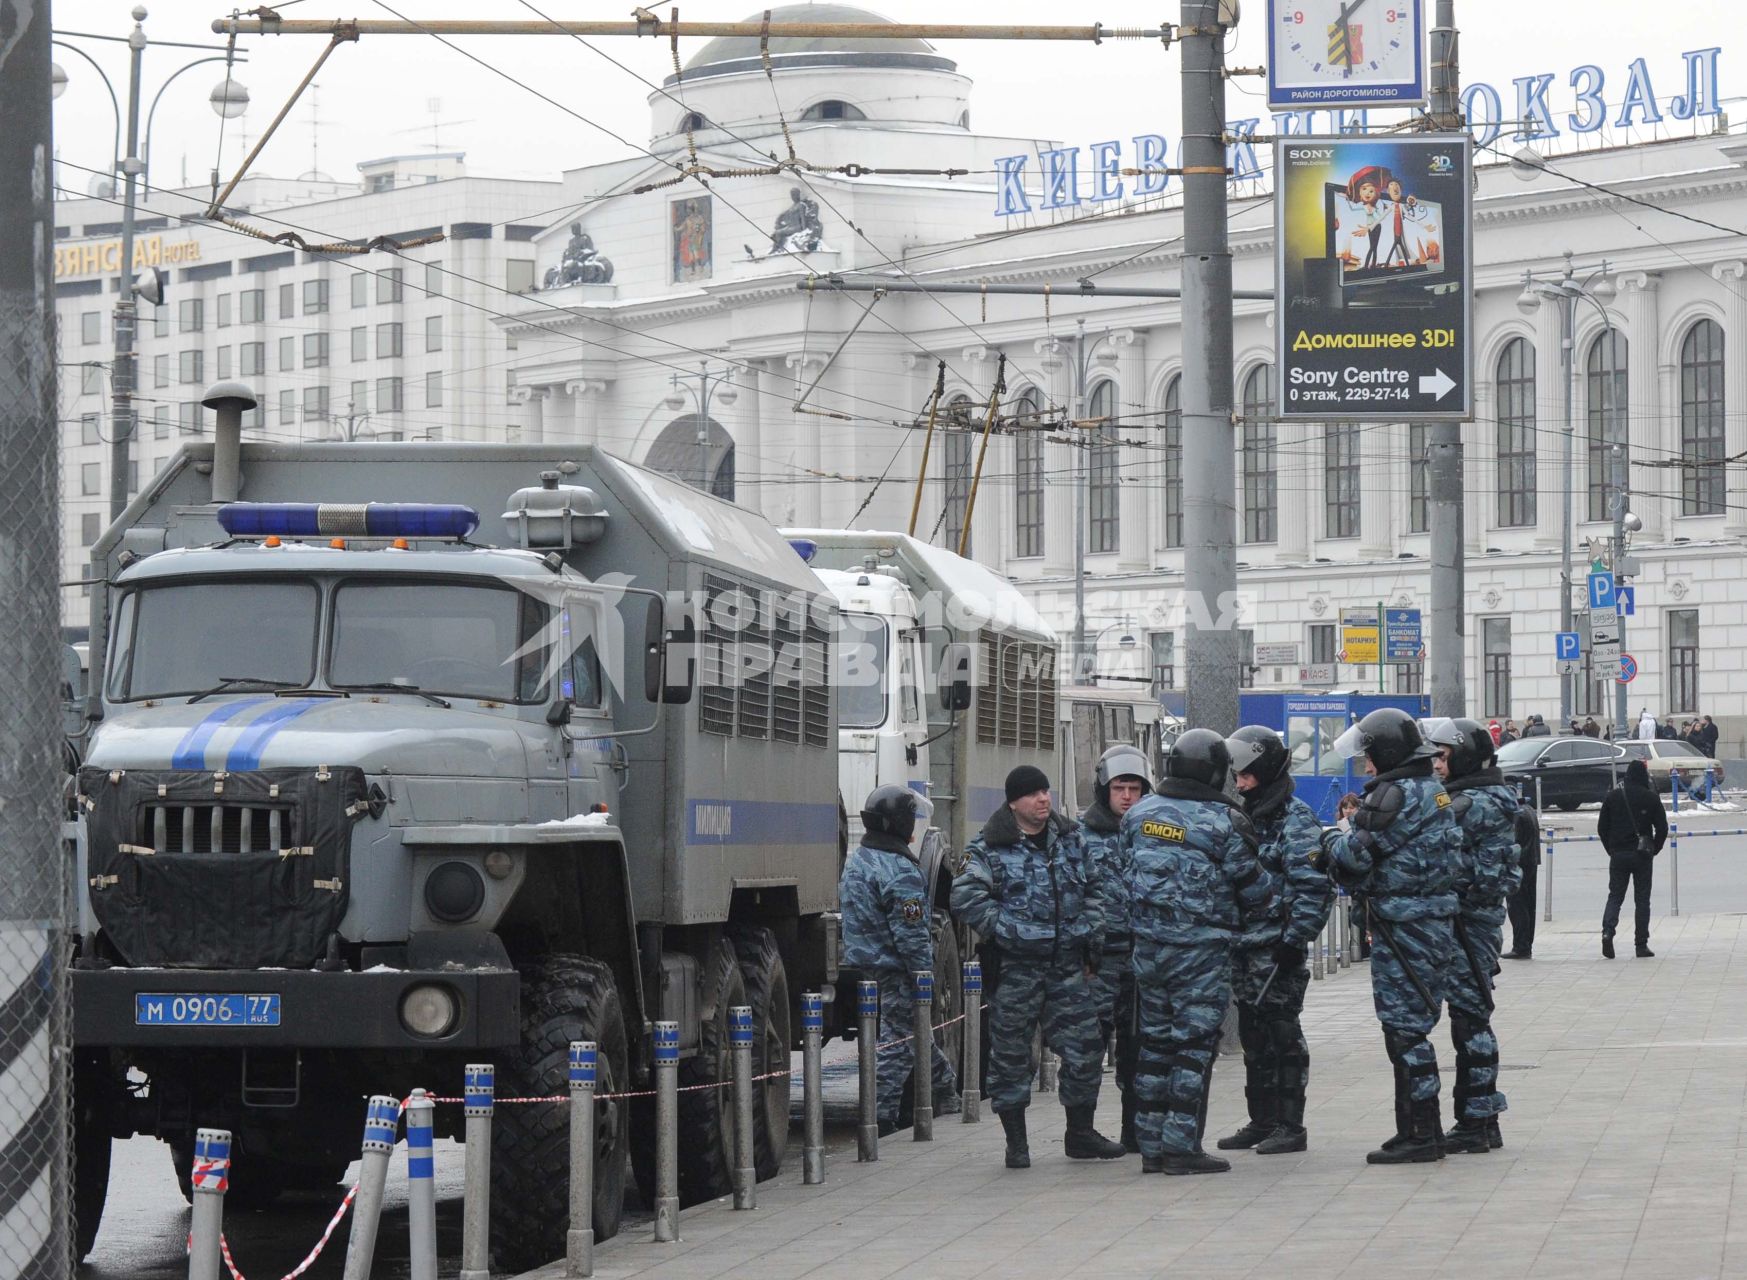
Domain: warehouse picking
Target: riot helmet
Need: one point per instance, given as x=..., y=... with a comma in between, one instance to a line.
x=1388, y=735
x=1121, y=761
x=1200, y=755
x=1473, y=750
x=894, y=810
x=1258, y=750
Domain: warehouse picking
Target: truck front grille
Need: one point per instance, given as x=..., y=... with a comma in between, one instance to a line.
x=218, y=828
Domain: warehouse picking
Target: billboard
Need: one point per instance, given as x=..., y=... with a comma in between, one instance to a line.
x=1374, y=276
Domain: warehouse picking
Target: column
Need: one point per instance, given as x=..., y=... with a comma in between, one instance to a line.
x=1650, y=438
x=1480, y=470
x=1136, y=499
x=1376, y=489
x=1733, y=277
x=745, y=424
x=1298, y=487
x=1550, y=393
x=1059, y=471
x=585, y=408
x=803, y=367
x=533, y=418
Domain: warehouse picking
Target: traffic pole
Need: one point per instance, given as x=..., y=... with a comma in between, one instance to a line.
x=666, y=1132
x=579, y=1241
x=922, y=1056
x=210, y=1178
x=867, y=1133
x=381, y=1116
x=745, y=1163
x=812, y=1089
x=421, y=1188
x=970, y=1079
x=479, y=1095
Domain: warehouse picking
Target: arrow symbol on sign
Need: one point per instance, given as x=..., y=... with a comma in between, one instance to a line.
x=1437, y=386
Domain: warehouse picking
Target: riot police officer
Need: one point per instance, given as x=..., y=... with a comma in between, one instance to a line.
x=1402, y=854
x=1195, y=884
x=1485, y=809
x=886, y=936
x=1121, y=779
x=1270, y=976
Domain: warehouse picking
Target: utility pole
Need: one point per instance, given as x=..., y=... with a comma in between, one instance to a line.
x=1080, y=478
x=123, y=376
x=1449, y=626
x=1209, y=474
x=1619, y=559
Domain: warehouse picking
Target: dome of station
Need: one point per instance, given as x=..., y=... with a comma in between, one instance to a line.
x=730, y=55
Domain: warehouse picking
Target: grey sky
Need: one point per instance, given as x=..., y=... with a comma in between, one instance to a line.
x=374, y=96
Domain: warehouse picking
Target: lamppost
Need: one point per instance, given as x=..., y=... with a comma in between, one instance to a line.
x=1083, y=357
x=1625, y=521
x=1597, y=290
x=1127, y=641
x=229, y=99
x=711, y=385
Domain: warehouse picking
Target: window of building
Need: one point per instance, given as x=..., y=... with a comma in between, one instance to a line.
x=834, y=109
x=433, y=333
x=315, y=350
x=315, y=297
x=1324, y=643
x=191, y=366
x=254, y=419
x=1162, y=654
x=223, y=363
x=361, y=342
x=90, y=327
x=160, y=422
x=252, y=362
x=1028, y=476
x=91, y=379
x=287, y=408
x=518, y=274
x=1701, y=420
x=434, y=279
x=160, y=322
x=358, y=399
x=222, y=311
x=433, y=389
x=1495, y=663
x=387, y=340
x=91, y=479
x=1260, y=487
x=1682, y=661
x=90, y=430
x=251, y=306
x=388, y=285
x=1104, y=471
x=1516, y=434
x=188, y=418
x=1419, y=478
x=388, y=397
x=287, y=354
x=1173, y=423
x=315, y=404
x=1606, y=392
x=1246, y=659
x=191, y=315
x=90, y=526
x=1340, y=480
x=160, y=371
x=133, y=476
x=957, y=445
x=360, y=289
x=1410, y=677
x=287, y=301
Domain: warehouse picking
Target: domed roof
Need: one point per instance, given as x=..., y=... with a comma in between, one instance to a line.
x=728, y=55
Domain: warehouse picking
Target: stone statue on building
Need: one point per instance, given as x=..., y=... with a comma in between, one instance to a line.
x=798, y=228
x=581, y=263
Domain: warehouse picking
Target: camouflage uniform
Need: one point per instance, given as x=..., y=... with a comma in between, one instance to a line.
x=1194, y=883
x=1035, y=901
x=1402, y=854
x=1102, y=830
x=1485, y=809
x=1276, y=1055
x=886, y=937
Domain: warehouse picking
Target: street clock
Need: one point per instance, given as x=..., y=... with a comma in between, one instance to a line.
x=1345, y=54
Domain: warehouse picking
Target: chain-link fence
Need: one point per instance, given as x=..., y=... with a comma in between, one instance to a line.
x=35, y=1034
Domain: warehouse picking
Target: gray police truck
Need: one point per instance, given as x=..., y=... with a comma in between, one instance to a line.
x=435, y=753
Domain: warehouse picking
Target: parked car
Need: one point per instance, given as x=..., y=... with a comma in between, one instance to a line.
x=1571, y=771
x=1669, y=756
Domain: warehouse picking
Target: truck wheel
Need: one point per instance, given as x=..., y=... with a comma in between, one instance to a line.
x=767, y=992
x=706, y=1116
x=91, y=1149
x=564, y=998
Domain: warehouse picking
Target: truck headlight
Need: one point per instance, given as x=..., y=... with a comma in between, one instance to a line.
x=428, y=1010
x=454, y=891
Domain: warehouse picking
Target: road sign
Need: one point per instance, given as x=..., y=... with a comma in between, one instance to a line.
x=1360, y=639
x=1318, y=675
x=1567, y=647
x=1373, y=276
x=1284, y=654
x=1626, y=598
x=1402, y=640
x=1601, y=591
x=1320, y=54
x=1604, y=628
x=1603, y=655
x=1570, y=666
x=1628, y=669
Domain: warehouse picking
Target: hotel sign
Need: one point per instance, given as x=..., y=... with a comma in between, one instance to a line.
x=104, y=256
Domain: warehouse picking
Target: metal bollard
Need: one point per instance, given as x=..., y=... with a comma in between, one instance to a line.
x=421, y=1188
x=812, y=1089
x=745, y=1163
x=1547, y=876
x=210, y=1177
x=479, y=1094
x=1316, y=954
x=970, y=1077
x=1674, y=868
x=579, y=1240
x=380, y=1118
x=922, y=1056
x=867, y=1134
x=666, y=1132
x=1349, y=944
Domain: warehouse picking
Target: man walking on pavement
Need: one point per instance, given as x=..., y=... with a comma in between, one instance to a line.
x=1402, y=855
x=1195, y=885
x=1120, y=780
x=886, y=936
x=1270, y=975
x=1485, y=809
x=1633, y=828
x=1031, y=892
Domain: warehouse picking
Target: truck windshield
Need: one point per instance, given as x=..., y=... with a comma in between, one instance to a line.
x=184, y=637
x=439, y=637
x=861, y=672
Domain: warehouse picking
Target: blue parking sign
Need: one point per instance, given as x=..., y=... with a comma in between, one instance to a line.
x=1566, y=646
x=1601, y=591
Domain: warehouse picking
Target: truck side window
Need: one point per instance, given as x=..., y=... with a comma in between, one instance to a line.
x=910, y=696
x=580, y=675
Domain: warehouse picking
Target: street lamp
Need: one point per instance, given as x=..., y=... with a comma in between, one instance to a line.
x=1083, y=357
x=712, y=386
x=1127, y=641
x=1597, y=290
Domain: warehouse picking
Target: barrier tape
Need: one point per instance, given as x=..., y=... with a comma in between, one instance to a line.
x=224, y=1244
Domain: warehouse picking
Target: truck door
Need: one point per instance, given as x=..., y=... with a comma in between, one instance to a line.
x=596, y=766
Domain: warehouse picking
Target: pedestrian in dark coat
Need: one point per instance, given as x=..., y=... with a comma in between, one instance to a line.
x=1633, y=828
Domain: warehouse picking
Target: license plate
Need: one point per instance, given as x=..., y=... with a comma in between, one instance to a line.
x=164, y=1009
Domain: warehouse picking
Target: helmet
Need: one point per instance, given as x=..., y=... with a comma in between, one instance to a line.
x=1389, y=736
x=1120, y=761
x=1258, y=751
x=1200, y=755
x=1470, y=743
x=894, y=810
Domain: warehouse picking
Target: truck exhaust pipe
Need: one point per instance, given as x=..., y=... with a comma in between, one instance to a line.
x=229, y=401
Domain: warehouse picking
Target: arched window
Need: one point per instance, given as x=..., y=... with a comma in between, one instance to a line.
x=1340, y=480
x=1701, y=420
x=1516, y=434
x=957, y=445
x=1172, y=417
x=1606, y=380
x=833, y=109
x=1104, y=462
x=692, y=121
x=695, y=451
x=1259, y=484
x=1028, y=474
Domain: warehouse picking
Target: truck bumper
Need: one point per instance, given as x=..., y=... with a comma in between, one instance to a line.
x=316, y=1010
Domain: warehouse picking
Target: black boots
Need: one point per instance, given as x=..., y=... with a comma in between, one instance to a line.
x=1469, y=1137
x=1289, y=1135
x=1644, y=952
x=1130, y=1139
x=1420, y=1143
x=1607, y=946
x=1018, y=1153
x=1081, y=1141
x=1191, y=1162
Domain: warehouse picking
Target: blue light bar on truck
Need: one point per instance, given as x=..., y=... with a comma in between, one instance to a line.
x=347, y=519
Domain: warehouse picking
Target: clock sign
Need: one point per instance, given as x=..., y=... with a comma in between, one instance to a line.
x=1345, y=53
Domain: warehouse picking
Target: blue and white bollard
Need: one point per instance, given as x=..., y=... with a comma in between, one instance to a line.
x=421, y=1189
x=745, y=1161
x=666, y=1132
x=922, y=1056
x=867, y=1036
x=210, y=1178
x=812, y=1089
x=970, y=1076
x=480, y=1096
x=579, y=1241
x=381, y=1117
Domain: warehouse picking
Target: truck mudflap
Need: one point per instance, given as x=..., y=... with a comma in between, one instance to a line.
x=171, y=1008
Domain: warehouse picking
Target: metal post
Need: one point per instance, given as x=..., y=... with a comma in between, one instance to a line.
x=745, y=1163
x=1538, y=799
x=1046, y=1069
x=123, y=373
x=210, y=1179
x=479, y=1094
x=1547, y=877
x=1568, y=371
x=867, y=1134
x=971, y=1076
x=1209, y=477
x=812, y=1089
x=1316, y=944
x=380, y=1118
x=1620, y=489
x=1081, y=479
x=1674, y=868
x=922, y=1056
x=421, y=1188
x=666, y=1132
x=579, y=1240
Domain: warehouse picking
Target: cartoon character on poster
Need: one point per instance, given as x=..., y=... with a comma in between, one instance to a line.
x=691, y=239
x=1381, y=227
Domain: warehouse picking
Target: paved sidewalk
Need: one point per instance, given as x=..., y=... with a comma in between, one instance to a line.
x=1624, y=1155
